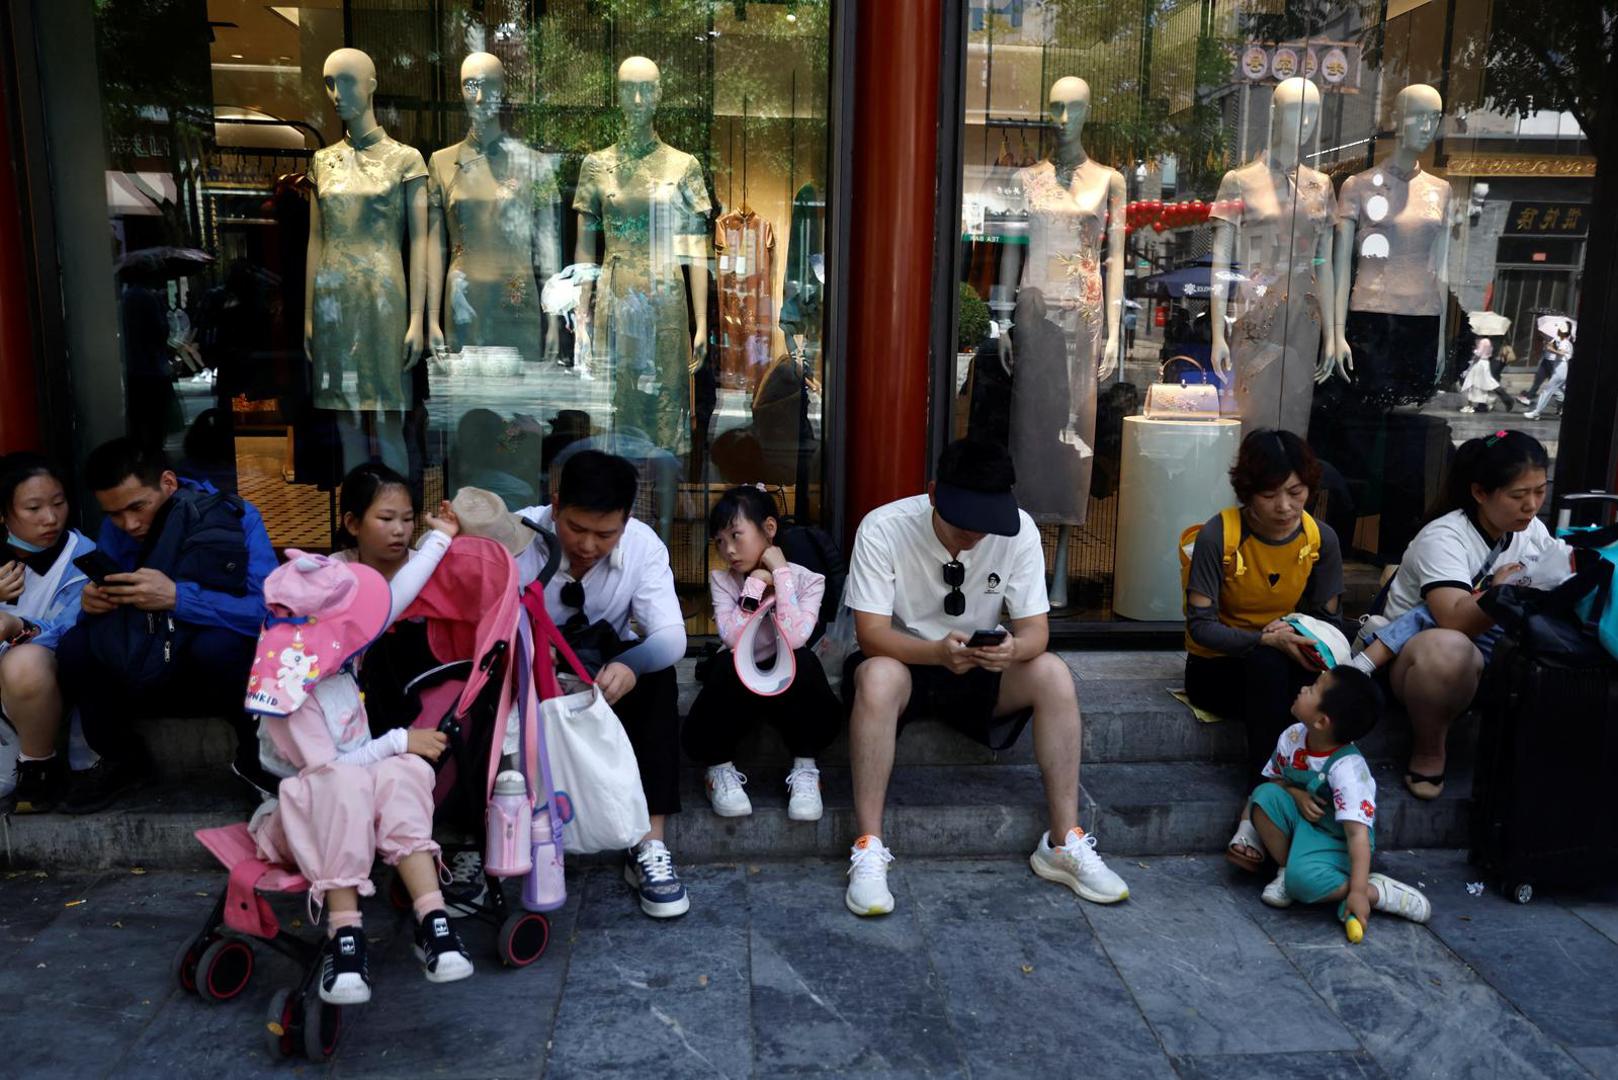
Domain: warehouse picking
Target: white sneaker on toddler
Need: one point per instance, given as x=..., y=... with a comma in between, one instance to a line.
x=1275, y=893
x=725, y=791
x=803, y=791
x=1397, y=898
x=1076, y=865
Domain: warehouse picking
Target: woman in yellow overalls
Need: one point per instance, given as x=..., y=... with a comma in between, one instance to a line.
x=1251, y=565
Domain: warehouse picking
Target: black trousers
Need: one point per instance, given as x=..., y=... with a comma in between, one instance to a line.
x=807, y=713
x=210, y=679
x=1257, y=690
x=650, y=714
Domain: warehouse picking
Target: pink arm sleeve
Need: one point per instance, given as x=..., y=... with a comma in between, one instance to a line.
x=797, y=604
x=728, y=615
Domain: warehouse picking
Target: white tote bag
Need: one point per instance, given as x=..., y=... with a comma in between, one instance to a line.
x=595, y=774
x=593, y=767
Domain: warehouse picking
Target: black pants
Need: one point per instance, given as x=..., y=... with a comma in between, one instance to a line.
x=1256, y=689
x=210, y=679
x=650, y=714
x=807, y=713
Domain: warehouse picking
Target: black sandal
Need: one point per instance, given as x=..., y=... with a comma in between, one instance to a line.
x=1435, y=783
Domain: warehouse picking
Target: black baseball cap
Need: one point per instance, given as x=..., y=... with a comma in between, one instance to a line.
x=973, y=490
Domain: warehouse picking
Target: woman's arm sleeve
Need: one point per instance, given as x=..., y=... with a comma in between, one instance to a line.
x=413, y=576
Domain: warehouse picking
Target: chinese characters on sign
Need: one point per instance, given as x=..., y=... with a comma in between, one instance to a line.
x=1548, y=219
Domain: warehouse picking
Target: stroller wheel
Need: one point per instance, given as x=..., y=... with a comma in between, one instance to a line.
x=322, y=1025
x=185, y=963
x=522, y=938
x=224, y=970
x=281, y=1022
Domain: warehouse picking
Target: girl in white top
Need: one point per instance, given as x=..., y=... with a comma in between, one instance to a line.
x=1487, y=528
x=378, y=518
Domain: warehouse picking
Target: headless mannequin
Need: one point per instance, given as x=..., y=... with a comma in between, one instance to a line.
x=640, y=87
x=350, y=80
x=1294, y=116
x=1418, y=112
x=483, y=92
x=1069, y=104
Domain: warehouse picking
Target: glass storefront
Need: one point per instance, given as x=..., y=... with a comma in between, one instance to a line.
x=467, y=239
x=1184, y=221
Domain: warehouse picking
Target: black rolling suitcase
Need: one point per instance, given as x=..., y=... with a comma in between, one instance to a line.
x=1544, y=802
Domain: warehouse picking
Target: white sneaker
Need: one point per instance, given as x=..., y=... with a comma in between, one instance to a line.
x=1275, y=893
x=1468, y=409
x=1397, y=898
x=803, y=791
x=725, y=791
x=1531, y=414
x=1076, y=865
x=868, y=877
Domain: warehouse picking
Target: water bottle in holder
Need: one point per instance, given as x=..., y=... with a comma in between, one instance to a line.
x=544, y=889
x=507, y=852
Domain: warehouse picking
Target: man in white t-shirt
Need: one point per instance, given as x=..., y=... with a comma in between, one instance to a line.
x=928, y=573
x=613, y=598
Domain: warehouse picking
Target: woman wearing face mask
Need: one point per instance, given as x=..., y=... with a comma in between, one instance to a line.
x=39, y=600
x=1252, y=565
x=1484, y=528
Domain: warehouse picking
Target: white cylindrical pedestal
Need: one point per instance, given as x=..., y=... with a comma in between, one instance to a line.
x=1174, y=473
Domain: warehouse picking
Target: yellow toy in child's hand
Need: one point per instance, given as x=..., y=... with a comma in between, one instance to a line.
x=1355, y=932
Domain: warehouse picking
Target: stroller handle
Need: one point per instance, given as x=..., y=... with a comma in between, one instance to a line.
x=553, y=548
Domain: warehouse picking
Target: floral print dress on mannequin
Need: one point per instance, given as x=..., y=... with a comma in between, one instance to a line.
x=1279, y=217
x=1057, y=333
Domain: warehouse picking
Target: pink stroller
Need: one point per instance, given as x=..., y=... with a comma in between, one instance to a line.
x=475, y=628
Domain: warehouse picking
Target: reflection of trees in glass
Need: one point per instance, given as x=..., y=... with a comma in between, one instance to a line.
x=1536, y=57
x=157, y=97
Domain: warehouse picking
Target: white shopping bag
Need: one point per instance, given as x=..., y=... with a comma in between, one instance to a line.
x=594, y=771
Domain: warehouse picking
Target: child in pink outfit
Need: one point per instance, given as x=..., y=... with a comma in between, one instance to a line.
x=743, y=526
x=344, y=797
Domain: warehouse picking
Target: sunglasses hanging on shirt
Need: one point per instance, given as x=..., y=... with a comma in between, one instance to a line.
x=954, y=577
x=572, y=595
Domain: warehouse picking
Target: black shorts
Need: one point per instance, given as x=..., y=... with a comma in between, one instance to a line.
x=965, y=702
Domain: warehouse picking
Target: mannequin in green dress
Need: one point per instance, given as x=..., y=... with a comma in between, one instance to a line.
x=495, y=204
x=649, y=204
x=362, y=326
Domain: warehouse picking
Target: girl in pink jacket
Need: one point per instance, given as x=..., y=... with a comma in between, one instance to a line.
x=759, y=583
x=345, y=797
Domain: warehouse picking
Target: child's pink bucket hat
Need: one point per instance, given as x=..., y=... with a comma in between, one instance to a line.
x=323, y=613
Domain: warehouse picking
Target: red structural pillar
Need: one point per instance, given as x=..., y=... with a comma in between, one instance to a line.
x=19, y=391
x=890, y=269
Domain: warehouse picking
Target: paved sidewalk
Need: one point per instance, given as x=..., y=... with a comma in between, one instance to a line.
x=983, y=971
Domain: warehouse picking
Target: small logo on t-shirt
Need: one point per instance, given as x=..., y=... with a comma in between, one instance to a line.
x=993, y=583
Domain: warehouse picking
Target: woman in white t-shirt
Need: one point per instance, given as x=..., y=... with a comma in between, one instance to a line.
x=1487, y=527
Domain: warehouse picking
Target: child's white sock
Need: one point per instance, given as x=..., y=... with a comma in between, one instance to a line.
x=341, y=920
x=1363, y=662
x=803, y=763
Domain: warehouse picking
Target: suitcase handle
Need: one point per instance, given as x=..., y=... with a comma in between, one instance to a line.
x=1577, y=500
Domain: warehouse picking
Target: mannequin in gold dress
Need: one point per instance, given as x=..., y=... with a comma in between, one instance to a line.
x=648, y=203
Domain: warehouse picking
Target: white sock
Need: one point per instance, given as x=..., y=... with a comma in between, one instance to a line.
x=1363, y=662
x=722, y=765
x=803, y=763
x=29, y=757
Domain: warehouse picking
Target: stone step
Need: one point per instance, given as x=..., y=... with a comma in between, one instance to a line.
x=1125, y=720
x=1135, y=810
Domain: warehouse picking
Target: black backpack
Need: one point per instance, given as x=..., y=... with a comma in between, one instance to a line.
x=202, y=541
x=813, y=548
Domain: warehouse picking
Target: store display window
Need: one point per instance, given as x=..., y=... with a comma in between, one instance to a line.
x=467, y=240
x=1362, y=223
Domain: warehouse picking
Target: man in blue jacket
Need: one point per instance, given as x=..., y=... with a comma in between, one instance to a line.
x=214, y=630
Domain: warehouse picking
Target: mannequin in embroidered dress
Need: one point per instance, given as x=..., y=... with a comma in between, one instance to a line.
x=1272, y=244
x=1063, y=337
x=496, y=203
x=1393, y=231
x=362, y=324
x=649, y=203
